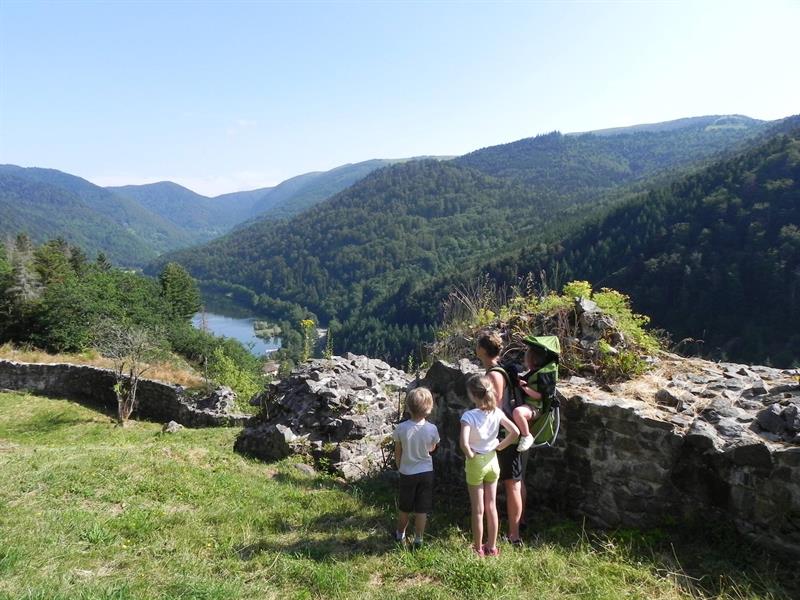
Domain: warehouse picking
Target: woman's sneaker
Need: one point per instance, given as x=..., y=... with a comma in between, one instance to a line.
x=525, y=443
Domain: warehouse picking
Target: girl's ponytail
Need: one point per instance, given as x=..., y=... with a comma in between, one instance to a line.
x=482, y=392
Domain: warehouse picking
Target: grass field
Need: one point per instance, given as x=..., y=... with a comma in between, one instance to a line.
x=91, y=510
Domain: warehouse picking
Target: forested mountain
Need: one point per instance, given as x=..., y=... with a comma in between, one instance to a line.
x=409, y=222
x=401, y=222
x=201, y=217
x=583, y=164
x=709, y=122
x=45, y=204
x=713, y=256
x=133, y=224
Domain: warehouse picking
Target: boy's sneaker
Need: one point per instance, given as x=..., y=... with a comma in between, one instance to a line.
x=491, y=551
x=525, y=443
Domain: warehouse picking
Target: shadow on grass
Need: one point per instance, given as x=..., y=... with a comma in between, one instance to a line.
x=708, y=558
x=48, y=423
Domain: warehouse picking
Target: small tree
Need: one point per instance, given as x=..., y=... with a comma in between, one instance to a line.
x=132, y=349
x=179, y=290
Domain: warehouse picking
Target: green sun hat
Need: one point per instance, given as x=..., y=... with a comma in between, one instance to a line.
x=549, y=343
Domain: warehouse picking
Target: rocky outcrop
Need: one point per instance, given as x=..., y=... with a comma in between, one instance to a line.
x=156, y=401
x=690, y=440
x=340, y=410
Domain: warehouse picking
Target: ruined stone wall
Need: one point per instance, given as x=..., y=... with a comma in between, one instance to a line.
x=156, y=401
x=629, y=462
x=692, y=440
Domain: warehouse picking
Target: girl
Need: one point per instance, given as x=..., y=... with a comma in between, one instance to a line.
x=479, y=429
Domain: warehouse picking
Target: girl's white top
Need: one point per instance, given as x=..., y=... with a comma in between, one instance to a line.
x=483, y=429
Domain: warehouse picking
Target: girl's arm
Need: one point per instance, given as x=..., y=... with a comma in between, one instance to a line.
x=513, y=433
x=398, y=453
x=463, y=441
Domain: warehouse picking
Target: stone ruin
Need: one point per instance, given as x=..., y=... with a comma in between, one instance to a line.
x=692, y=439
x=340, y=410
x=155, y=400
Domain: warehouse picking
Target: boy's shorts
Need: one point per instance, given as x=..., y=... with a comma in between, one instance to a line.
x=416, y=493
x=482, y=468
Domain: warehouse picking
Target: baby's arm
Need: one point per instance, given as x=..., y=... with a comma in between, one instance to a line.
x=463, y=441
x=528, y=391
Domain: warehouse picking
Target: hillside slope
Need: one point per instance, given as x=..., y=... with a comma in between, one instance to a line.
x=45, y=211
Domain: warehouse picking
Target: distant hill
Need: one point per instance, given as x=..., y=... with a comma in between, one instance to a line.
x=708, y=122
x=585, y=163
x=201, y=217
x=715, y=256
x=46, y=203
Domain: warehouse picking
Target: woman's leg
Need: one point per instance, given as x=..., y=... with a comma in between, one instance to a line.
x=490, y=507
x=476, y=501
x=513, y=506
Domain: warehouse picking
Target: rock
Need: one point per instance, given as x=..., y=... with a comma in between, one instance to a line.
x=751, y=454
x=339, y=411
x=584, y=305
x=770, y=420
x=791, y=416
x=221, y=400
x=666, y=398
x=703, y=436
x=171, y=427
x=305, y=469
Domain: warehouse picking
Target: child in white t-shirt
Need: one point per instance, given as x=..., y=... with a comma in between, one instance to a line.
x=479, y=429
x=414, y=440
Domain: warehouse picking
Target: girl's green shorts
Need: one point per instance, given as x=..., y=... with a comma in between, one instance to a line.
x=482, y=468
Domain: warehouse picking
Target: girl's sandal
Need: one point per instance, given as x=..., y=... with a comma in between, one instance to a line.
x=477, y=551
x=491, y=551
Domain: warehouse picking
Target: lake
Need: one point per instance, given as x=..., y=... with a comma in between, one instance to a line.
x=238, y=329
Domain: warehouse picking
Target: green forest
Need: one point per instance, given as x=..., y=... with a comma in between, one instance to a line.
x=375, y=261
x=53, y=297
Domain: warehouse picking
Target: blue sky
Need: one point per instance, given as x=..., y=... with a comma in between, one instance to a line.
x=237, y=95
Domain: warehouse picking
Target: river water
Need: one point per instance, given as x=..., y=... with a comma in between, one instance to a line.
x=238, y=329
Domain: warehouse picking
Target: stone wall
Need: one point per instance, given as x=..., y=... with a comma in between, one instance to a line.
x=156, y=401
x=676, y=447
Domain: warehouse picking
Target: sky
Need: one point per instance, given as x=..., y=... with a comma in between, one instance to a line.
x=228, y=96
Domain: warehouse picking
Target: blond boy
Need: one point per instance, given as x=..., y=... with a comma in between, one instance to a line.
x=414, y=440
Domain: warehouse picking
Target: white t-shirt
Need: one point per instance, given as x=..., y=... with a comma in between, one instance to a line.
x=483, y=429
x=416, y=439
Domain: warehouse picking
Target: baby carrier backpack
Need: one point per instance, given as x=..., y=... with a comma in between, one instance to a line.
x=544, y=428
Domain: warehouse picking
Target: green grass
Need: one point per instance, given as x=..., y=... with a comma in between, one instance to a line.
x=89, y=510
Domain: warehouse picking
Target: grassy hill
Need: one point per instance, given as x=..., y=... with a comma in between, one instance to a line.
x=89, y=510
